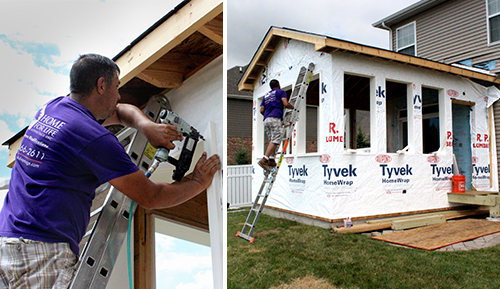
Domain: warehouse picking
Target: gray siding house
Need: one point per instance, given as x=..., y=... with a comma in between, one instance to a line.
x=448, y=31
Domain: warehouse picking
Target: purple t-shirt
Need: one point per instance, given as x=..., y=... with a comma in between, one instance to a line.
x=64, y=156
x=273, y=106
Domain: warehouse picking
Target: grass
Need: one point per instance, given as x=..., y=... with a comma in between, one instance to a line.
x=287, y=254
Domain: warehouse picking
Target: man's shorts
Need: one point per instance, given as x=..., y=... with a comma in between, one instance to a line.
x=35, y=264
x=274, y=129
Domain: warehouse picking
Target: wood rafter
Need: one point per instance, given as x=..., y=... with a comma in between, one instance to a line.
x=214, y=29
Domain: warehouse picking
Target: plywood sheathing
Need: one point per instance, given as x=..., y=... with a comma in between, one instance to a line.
x=441, y=235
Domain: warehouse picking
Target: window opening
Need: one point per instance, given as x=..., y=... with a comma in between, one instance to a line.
x=396, y=119
x=405, y=39
x=430, y=120
x=312, y=110
x=176, y=243
x=356, y=112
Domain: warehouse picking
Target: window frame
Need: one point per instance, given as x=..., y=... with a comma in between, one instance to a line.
x=348, y=130
x=488, y=17
x=398, y=49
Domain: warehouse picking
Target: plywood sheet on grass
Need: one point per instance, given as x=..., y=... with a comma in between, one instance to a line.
x=441, y=235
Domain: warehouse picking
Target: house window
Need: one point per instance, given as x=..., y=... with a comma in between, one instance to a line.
x=356, y=112
x=405, y=39
x=493, y=8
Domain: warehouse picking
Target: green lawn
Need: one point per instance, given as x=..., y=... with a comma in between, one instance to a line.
x=284, y=251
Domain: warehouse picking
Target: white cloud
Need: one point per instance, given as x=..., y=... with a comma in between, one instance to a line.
x=23, y=81
x=203, y=280
x=5, y=134
x=248, y=22
x=173, y=262
x=182, y=263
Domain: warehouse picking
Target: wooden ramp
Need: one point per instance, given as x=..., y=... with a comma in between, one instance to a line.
x=441, y=235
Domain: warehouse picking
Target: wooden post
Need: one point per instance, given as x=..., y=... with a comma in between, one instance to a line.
x=144, y=250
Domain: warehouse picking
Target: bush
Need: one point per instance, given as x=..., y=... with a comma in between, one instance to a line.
x=361, y=140
x=242, y=157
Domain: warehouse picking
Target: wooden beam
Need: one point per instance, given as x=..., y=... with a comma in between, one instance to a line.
x=407, y=59
x=211, y=34
x=144, y=250
x=162, y=78
x=169, y=34
x=214, y=29
x=474, y=198
x=361, y=228
x=418, y=222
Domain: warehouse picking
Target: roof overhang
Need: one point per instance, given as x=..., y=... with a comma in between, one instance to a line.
x=172, y=50
x=408, y=12
x=330, y=45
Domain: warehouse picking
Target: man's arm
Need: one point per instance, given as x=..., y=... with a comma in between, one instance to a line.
x=158, y=134
x=285, y=102
x=262, y=109
x=152, y=195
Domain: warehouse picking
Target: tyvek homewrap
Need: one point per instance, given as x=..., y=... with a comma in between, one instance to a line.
x=336, y=183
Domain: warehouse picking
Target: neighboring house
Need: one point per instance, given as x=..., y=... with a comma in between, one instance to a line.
x=415, y=115
x=448, y=31
x=239, y=117
x=179, y=57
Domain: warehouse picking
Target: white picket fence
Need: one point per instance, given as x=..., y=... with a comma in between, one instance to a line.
x=239, y=186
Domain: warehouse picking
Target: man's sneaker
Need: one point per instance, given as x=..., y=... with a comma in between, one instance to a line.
x=264, y=164
x=271, y=163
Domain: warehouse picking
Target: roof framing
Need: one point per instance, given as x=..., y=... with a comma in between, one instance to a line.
x=172, y=50
x=331, y=45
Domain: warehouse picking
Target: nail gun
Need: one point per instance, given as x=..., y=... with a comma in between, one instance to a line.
x=191, y=138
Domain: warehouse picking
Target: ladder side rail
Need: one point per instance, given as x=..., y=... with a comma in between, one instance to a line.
x=250, y=215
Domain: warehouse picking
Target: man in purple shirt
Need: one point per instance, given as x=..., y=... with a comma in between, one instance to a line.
x=64, y=156
x=272, y=110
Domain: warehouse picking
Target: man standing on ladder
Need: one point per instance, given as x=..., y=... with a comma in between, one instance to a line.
x=65, y=155
x=272, y=110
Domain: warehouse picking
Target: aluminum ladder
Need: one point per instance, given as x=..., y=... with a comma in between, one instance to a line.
x=290, y=117
x=110, y=230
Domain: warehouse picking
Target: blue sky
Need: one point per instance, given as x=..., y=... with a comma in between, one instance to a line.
x=39, y=40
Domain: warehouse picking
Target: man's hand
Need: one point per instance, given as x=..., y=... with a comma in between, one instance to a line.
x=205, y=170
x=161, y=134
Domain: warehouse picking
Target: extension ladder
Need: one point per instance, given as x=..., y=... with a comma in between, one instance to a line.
x=290, y=117
x=110, y=229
